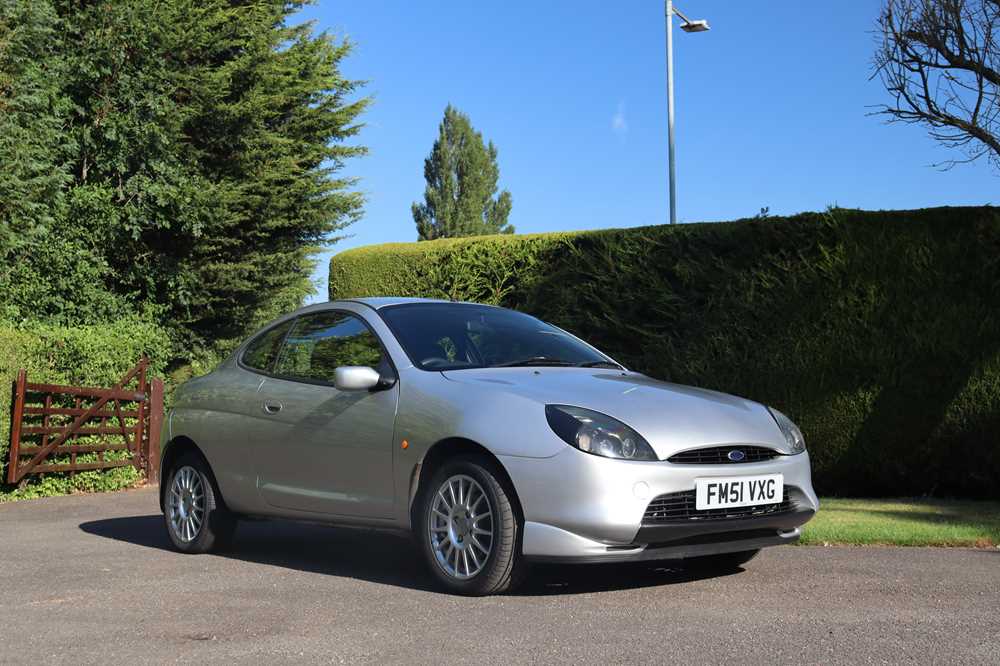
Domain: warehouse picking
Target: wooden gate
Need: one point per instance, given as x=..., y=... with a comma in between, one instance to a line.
x=48, y=421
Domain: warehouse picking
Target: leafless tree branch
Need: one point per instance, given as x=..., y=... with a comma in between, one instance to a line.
x=940, y=62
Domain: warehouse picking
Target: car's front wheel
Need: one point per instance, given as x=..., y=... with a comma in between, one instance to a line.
x=197, y=521
x=469, y=529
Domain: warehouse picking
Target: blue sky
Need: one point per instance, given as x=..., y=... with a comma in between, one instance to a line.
x=771, y=109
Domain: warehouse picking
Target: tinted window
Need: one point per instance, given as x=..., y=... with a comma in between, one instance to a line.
x=319, y=343
x=451, y=336
x=260, y=353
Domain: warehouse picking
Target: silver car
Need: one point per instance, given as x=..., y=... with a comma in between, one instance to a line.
x=492, y=437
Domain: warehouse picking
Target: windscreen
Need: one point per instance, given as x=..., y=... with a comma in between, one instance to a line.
x=454, y=336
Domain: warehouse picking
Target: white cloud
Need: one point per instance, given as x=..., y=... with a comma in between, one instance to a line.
x=619, y=124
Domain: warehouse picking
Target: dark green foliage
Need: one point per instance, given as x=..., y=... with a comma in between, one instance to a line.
x=34, y=173
x=461, y=173
x=208, y=158
x=878, y=332
x=32, y=170
x=182, y=158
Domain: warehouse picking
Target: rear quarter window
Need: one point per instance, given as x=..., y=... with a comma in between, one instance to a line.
x=261, y=353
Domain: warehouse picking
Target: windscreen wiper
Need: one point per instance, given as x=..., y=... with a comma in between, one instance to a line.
x=600, y=364
x=534, y=360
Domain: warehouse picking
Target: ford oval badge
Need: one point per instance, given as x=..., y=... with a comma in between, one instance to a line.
x=736, y=456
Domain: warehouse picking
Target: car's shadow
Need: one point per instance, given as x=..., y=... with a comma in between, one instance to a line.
x=383, y=557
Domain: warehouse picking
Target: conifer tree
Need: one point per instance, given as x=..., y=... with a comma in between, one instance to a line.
x=212, y=136
x=183, y=157
x=32, y=112
x=461, y=195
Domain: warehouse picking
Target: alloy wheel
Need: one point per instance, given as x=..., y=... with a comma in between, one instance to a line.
x=460, y=527
x=186, y=504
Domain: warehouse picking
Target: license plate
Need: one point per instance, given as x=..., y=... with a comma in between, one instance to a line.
x=737, y=491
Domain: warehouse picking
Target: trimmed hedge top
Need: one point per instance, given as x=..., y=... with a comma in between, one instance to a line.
x=879, y=332
x=411, y=269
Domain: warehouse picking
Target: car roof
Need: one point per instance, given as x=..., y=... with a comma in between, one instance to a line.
x=378, y=302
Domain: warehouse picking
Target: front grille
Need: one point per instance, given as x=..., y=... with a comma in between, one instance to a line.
x=719, y=455
x=679, y=507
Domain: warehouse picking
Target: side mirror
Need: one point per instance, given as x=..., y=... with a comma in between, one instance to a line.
x=355, y=378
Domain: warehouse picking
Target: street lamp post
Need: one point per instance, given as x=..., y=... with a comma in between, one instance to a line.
x=687, y=26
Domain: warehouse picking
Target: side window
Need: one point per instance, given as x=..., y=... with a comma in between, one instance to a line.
x=321, y=342
x=260, y=353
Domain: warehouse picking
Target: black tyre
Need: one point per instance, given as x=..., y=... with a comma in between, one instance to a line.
x=469, y=529
x=721, y=562
x=196, y=519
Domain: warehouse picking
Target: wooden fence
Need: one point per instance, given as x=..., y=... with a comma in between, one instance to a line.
x=48, y=422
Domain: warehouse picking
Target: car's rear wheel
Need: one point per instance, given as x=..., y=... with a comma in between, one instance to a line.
x=469, y=529
x=197, y=521
x=722, y=561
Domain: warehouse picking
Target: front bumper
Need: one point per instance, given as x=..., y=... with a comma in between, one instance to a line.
x=580, y=507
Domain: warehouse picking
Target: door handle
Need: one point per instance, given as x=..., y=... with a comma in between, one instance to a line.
x=272, y=407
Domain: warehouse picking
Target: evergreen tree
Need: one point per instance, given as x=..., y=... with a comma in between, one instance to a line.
x=181, y=157
x=461, y=173
x=45, y=273
x=32, y=112
x=211, y=135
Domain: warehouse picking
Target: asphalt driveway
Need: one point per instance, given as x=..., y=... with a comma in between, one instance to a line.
x=91, y=578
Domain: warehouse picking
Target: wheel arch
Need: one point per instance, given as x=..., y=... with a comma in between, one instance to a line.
x=175, y=448
x=447, y=449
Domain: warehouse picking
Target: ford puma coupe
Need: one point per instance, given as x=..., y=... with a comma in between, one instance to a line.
x=494, y=438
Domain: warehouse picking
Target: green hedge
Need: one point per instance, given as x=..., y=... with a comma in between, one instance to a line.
x=84, y=355
x=879, y=332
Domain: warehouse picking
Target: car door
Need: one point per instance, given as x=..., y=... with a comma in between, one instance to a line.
x=229, y=425
x=333, y=449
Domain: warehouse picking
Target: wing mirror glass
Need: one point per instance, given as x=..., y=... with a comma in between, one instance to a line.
x=356, y=378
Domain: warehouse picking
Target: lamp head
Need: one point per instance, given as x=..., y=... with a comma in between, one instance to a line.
x=695, y=26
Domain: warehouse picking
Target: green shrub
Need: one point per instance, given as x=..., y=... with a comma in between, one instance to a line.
x=879, y=332
x=83, y=355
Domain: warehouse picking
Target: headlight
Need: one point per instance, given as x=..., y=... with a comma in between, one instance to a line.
x=791, y=431
x=596, y=433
